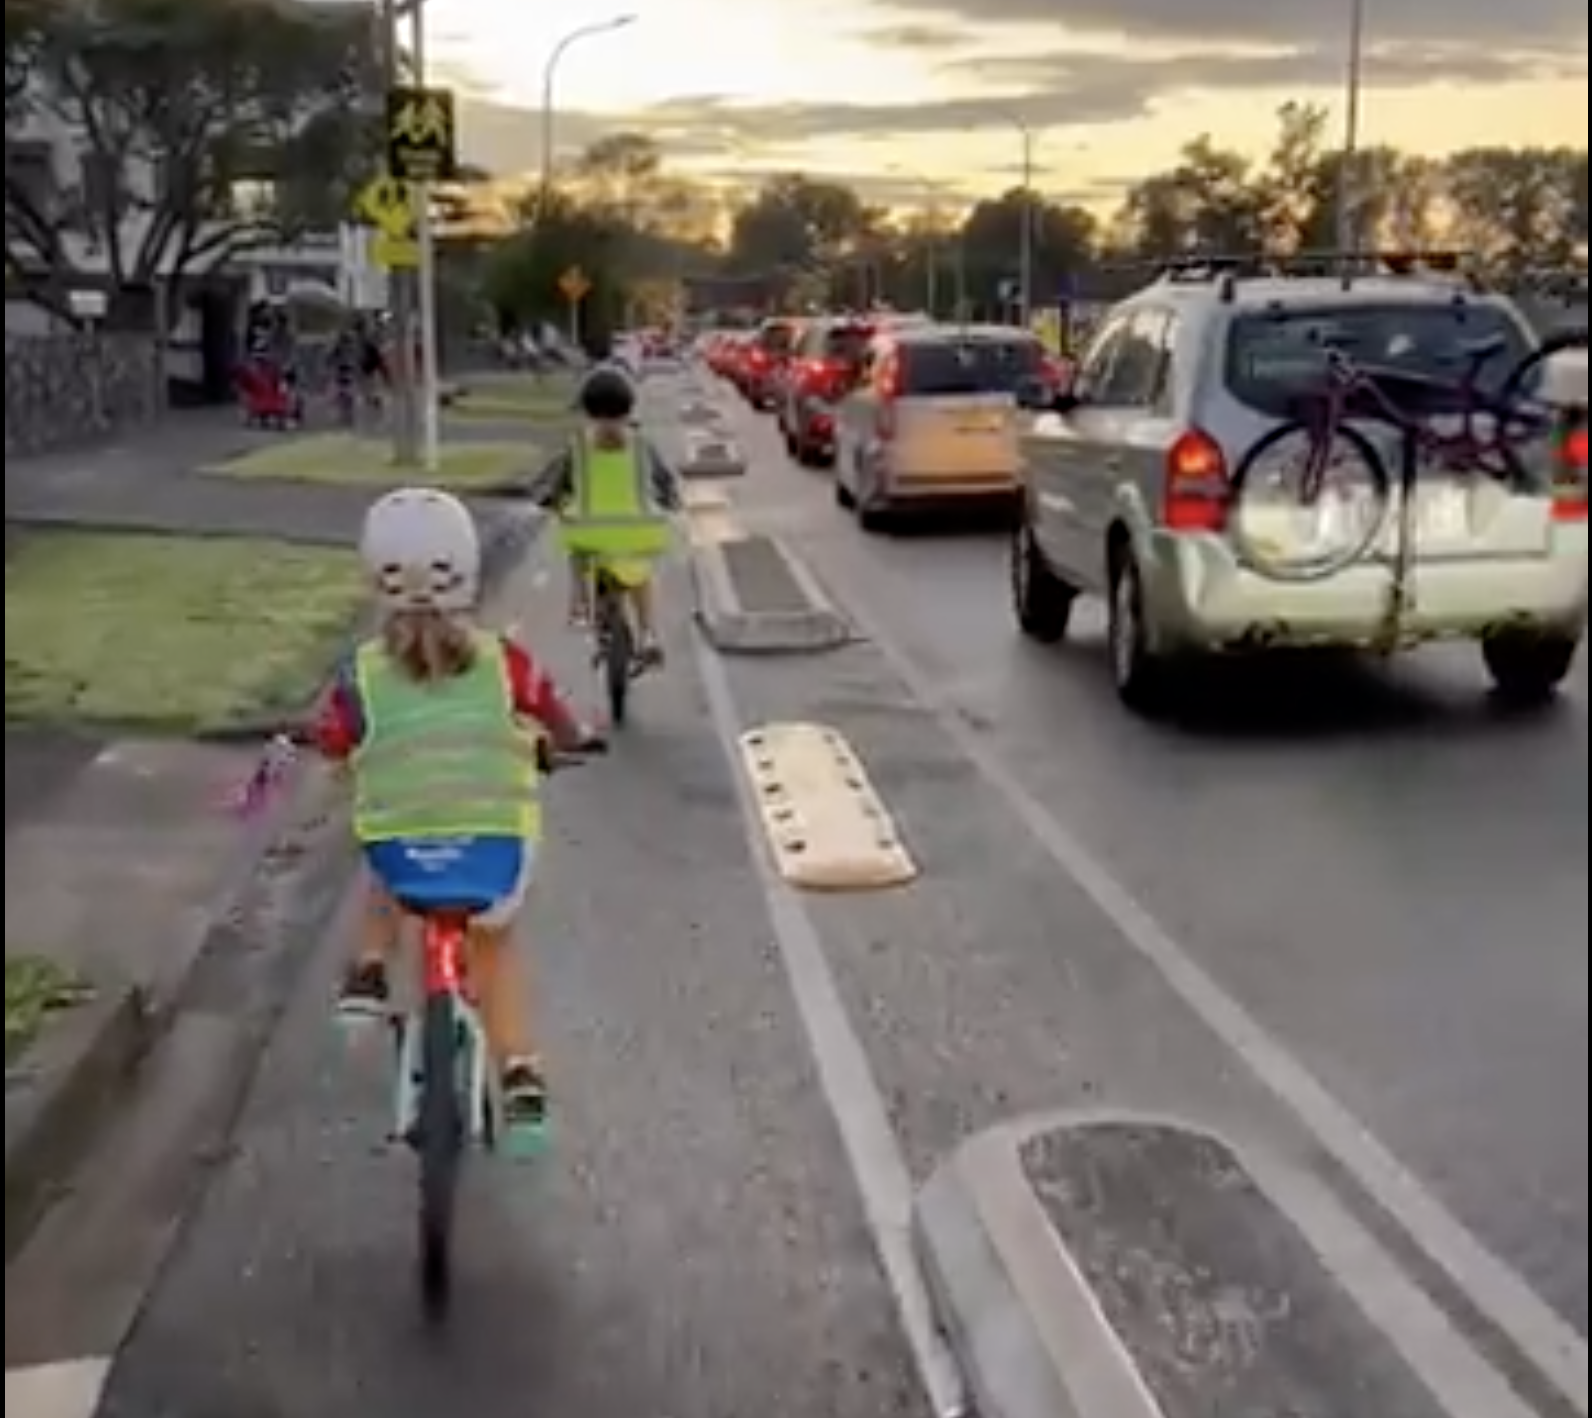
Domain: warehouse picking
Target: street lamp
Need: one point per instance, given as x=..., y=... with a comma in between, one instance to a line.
x=1347, y=198
x=549, y=74
x=1025, y=232
x=931, y=247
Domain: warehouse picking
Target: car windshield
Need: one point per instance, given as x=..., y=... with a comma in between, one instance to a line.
x=1275, y=356
x=968, y=366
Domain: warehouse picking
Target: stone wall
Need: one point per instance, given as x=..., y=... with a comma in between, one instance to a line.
x=72, y=388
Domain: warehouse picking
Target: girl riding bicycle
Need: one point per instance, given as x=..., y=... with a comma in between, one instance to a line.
x=429, y=715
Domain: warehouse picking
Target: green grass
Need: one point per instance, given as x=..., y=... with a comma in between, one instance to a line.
x=174, y=634
x=35, y=989
x=517, y=398
x=345, y=459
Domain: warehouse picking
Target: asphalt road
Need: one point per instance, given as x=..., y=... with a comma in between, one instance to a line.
x=1390, y=880
x=1384, y=872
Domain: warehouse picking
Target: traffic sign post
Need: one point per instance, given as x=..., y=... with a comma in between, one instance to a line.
x=421, y=142
x=388, y=204
x=575, y=286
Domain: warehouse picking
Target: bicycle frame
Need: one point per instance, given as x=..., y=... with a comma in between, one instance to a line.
x=444, y=972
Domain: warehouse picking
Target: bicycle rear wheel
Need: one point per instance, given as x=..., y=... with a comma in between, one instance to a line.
x=619, y=654
x=441, y=1148
x=1286, y=533
x=1527, y=418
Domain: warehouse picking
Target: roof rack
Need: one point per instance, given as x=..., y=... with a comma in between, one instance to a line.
x=1227, y=269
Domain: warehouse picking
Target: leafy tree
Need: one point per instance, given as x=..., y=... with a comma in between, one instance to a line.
x=796, y=222
x=204, y=128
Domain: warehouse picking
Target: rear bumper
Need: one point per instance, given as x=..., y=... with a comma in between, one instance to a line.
x=1198, y=597
x=948, y=487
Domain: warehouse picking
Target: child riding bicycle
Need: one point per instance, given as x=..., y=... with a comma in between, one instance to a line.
x=613, y=493
x=430, y=716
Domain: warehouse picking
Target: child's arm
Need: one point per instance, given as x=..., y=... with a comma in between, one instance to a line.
x=339, y=720
x=665, y=481
x=537, y=696
x=554, y=484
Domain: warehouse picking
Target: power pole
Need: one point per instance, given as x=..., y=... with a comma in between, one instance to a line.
x=401, y=289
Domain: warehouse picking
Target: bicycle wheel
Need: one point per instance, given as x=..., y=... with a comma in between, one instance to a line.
x=1283, y=532
x=1527, y=418
x=618, y=656
x=441, y=1147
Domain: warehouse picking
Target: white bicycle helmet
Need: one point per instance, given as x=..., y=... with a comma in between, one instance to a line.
x=422, y=551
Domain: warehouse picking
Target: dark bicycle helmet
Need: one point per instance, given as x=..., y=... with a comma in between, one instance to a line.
x=607, y=395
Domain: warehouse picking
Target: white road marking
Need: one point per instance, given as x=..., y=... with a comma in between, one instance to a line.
x=70, y=1389
x=1546, y=1339
x=844, y=1073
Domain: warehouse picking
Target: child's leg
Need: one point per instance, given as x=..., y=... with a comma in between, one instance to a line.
x=367, y=984
x=503, y=992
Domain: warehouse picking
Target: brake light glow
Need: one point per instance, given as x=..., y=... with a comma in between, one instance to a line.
x=1196, y=492
x=1570, y=489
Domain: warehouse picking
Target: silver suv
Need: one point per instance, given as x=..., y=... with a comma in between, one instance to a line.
x=1128, y=484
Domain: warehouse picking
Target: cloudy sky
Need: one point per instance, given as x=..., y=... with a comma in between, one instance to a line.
x=921, y=92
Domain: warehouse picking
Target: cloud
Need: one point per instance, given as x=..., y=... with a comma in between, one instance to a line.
x=923, y=38
x=1305, y=22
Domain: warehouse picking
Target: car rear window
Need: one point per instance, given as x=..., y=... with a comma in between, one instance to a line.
x=847, y=342
x=777, y=339
x=967, y=367
x=1275, y=356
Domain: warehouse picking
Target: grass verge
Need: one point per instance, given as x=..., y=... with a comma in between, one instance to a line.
x=517, y=399
x=172, y=634
x=345, y=459
x=35, y=989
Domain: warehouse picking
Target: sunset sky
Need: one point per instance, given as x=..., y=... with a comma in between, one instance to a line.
x=929, y=91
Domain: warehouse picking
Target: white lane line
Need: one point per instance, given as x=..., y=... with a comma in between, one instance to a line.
x=70, y=1389
x=844, y=1073
x=1547, y=1340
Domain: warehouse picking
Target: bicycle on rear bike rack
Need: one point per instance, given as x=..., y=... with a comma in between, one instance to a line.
x=1459, y=426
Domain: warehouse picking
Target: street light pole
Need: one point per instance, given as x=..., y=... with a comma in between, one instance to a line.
x=549, y=75
x=400, y=290
x=1025, y=250
x=430, y=402
x=1347, y=196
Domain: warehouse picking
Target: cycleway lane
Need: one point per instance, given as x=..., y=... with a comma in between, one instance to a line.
x=694, y=1247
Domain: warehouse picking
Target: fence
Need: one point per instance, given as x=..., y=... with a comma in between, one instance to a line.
x=65, y=389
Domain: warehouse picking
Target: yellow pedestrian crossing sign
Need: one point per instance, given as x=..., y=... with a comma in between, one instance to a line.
x=421, y=139
x=389, y=205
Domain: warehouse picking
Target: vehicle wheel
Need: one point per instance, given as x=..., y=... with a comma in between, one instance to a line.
x=1041, y=600
x=1143, y=678
x=1527, y=667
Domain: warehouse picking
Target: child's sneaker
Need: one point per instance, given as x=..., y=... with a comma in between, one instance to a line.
x=365, y=993
x=524, y=1106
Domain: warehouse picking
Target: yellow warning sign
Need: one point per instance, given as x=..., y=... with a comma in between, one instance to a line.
x=575, y=285
x=421, y=145
x=827, y=828
x=388, y=204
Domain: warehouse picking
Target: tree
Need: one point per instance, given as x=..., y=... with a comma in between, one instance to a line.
x=1520, y=207
x=796, y=222
x=520, y=278
x=204, y=128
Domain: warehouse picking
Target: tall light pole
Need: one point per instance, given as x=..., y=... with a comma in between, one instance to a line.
x=549, y=76
x=401, y=291
x=931, y=244
x=1025, y=229
x=430, y=401
x=1347, y=197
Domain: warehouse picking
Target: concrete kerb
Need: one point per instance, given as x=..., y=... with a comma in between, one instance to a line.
x=733, y=628
x=1241, y=1279
x=71, y=1082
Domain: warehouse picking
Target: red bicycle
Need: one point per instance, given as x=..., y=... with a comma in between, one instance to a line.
x=1459, y=426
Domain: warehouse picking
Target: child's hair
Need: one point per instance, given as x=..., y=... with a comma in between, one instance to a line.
x=429, y=645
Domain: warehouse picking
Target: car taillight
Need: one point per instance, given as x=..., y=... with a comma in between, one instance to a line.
x=1196, y=494
x=1052, y=374
x=1570, y=485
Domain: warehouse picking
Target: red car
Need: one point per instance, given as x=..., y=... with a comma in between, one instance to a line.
x=763, y=361
x=822, y=371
